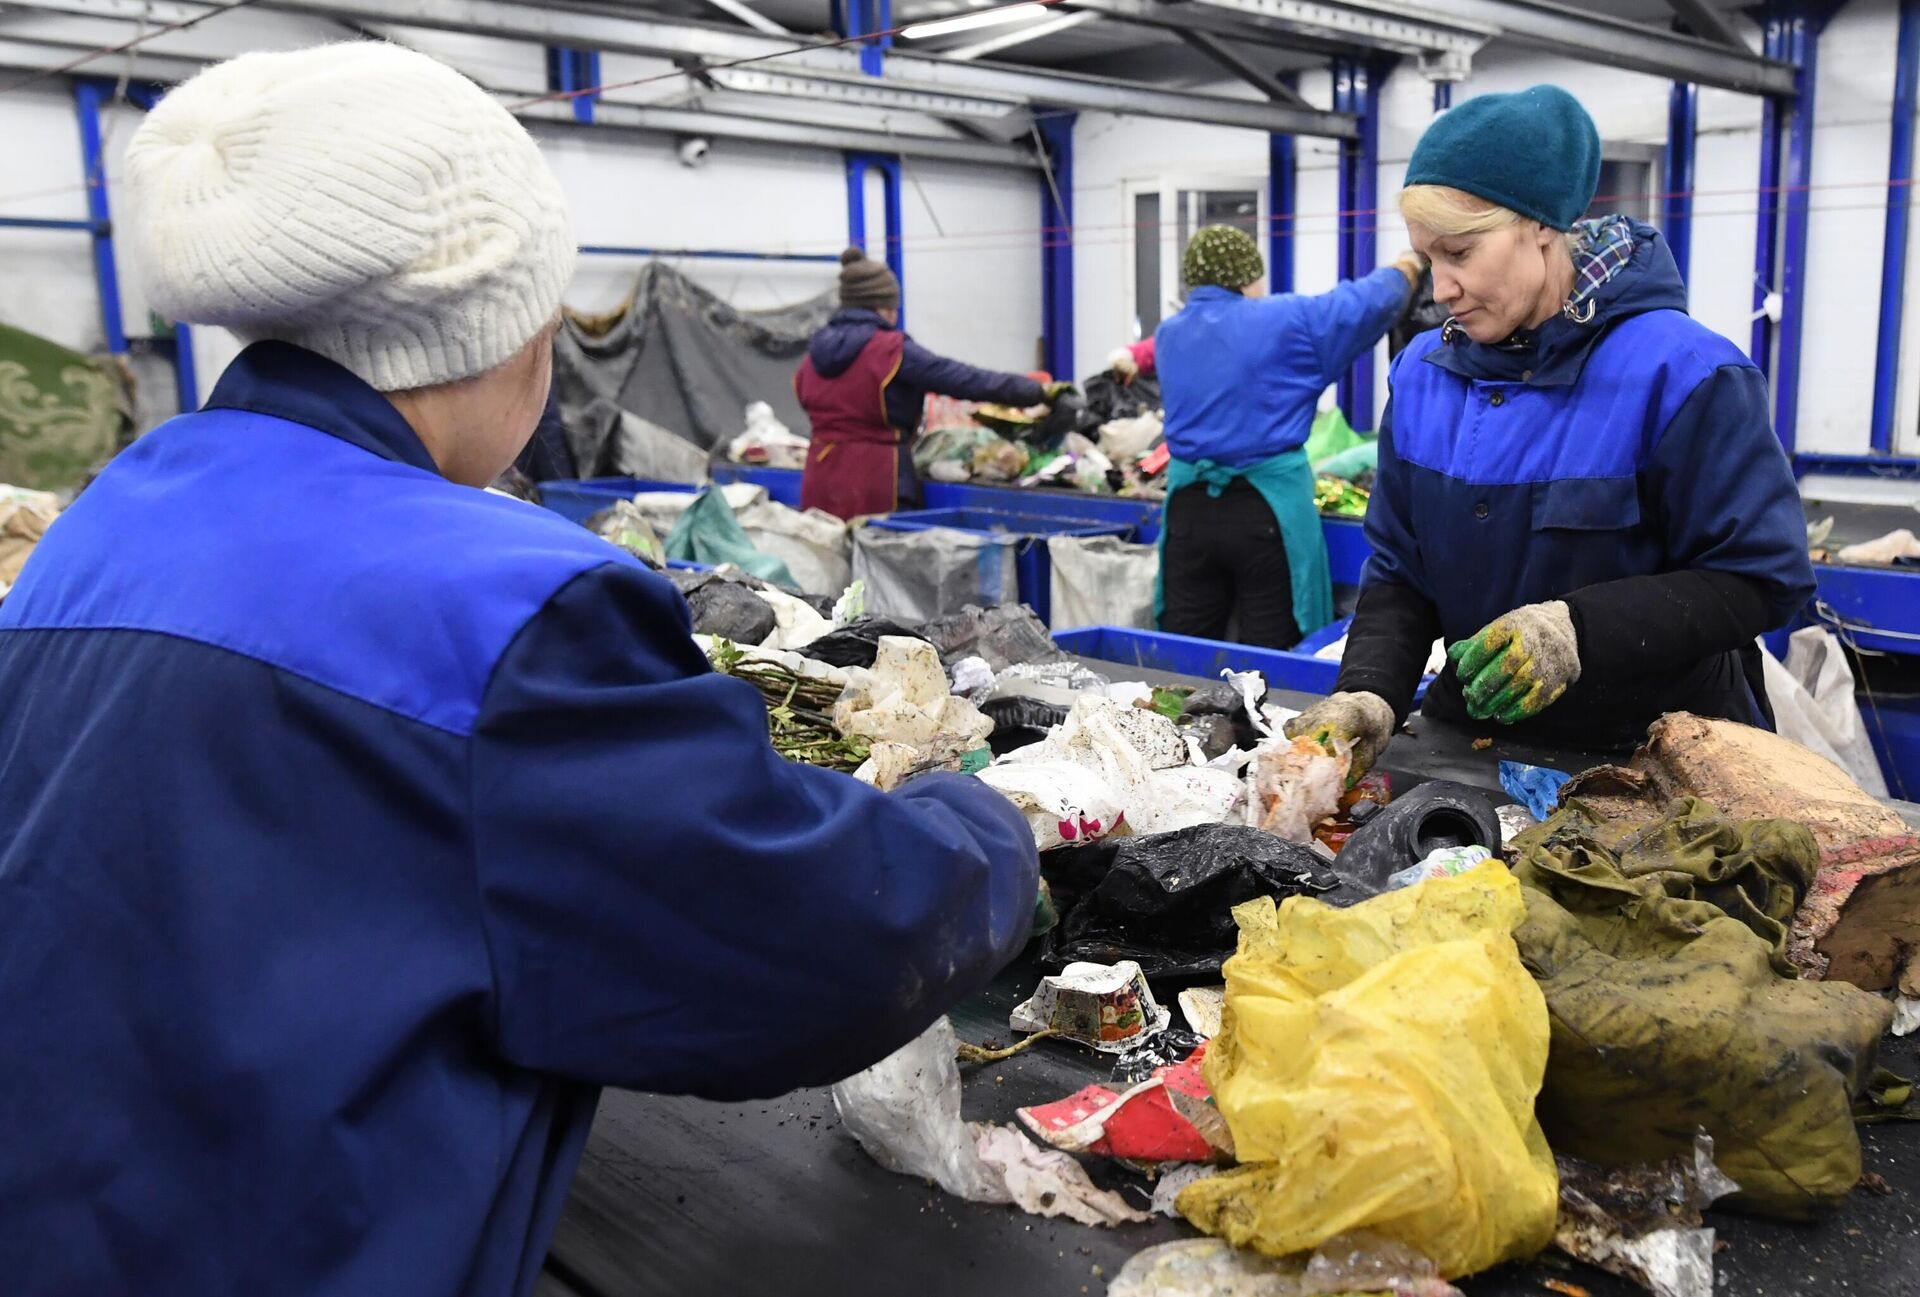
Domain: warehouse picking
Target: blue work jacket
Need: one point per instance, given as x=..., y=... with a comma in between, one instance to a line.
x=360, y=825
x=1630, y=442
x=1241, y=377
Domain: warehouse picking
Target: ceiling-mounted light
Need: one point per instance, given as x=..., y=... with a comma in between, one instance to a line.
x=968, y=22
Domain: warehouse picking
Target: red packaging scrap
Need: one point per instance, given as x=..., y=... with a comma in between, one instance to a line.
x=1159, y=1120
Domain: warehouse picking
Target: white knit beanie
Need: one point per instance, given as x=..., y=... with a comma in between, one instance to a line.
x=359, y=200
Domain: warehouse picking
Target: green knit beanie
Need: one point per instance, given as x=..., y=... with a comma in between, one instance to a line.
x=1534, y=152
x=1223, y=256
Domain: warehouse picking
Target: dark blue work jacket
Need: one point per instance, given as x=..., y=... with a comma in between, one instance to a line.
x=1632, y=442
x=360, y=825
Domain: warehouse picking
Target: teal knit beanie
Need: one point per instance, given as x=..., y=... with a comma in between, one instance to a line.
x=1534, y=152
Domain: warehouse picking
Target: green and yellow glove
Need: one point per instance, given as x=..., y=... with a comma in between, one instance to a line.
x=1054, y=391
x=1519, y=665
x=1363, y=719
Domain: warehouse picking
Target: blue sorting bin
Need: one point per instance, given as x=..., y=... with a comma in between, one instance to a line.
x=782, y=484
x=1068, y=506
x=579, y=500
x=1032, y=565
x=1185, y=655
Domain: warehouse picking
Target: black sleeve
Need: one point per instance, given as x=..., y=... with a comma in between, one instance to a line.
x=1394, y=629
x=1388, y=645
x=1643, y=626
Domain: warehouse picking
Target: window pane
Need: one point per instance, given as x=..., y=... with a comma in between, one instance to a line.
x=1146, y=264
x=1239, y=207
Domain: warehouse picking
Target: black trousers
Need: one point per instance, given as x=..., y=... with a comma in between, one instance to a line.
x=1225, y=566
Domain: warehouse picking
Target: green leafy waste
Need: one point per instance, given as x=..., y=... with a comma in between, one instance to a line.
x=799, y=710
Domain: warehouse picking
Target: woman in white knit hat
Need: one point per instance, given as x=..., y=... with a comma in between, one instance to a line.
x=361, y=823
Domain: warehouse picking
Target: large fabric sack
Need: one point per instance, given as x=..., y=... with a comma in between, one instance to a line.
x=1102, y=581
x=1669, y=1017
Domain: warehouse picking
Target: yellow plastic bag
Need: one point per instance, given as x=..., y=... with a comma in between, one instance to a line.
x=1377, y=1066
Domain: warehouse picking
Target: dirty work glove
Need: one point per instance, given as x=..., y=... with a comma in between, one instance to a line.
x=1123, y=366
x=1518, y=666
x=1054, y=391
x=1364, y=719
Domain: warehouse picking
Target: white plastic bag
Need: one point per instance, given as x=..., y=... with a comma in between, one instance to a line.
x=1102, y=581
x=814, y=545
x=1292, y=786
x=768, y=441
x=905, y=1112
x=1813, y=704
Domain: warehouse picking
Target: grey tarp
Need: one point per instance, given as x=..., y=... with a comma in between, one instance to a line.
x=678, y=357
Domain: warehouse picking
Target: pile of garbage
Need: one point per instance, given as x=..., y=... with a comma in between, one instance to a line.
x=1391, y=1035
x=24, y=518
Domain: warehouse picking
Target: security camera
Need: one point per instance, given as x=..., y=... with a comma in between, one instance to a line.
x=693, y=152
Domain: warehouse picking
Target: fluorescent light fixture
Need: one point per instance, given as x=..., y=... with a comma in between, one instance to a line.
x=994, y=17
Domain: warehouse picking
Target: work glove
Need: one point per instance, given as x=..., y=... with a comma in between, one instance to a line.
x=1054, y=391
x=1363, y=719
x=1123, y=366
x=1518, y=666
x=1412, y=265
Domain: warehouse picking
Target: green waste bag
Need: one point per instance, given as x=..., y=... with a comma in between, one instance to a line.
x=1331, y=434
x=709, y=533
x=1351, y=462
x=1668, y=1014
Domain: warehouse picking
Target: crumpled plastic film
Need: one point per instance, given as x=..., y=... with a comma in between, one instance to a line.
x=905, y=1112
x=1377, y=1066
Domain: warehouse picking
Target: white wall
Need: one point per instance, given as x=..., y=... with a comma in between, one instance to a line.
x=971, y=247
x=1846, y=209
x=973, y=263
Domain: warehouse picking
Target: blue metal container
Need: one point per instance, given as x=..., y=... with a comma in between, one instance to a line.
x=782, y=484
x=578, y=501
x=1025, y=531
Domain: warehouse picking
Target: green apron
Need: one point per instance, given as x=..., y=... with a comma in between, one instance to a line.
x=1285, y=482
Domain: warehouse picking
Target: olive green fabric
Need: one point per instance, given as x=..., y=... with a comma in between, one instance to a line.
x=1756, y=872
x=1668, y=1014
x=61, y=413
x=1222, y=256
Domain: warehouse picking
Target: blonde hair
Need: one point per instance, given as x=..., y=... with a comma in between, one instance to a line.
x=1450, y=212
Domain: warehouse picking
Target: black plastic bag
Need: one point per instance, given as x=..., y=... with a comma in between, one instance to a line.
x=1108, y=398
x=1166, y=901
x=857, y=643
x=731, y=611
x=1068, y=414
x=1421, y=313
x=1019, y=721
x=1215, y=734
x=1412, y=827
x=1219, y=700
x=1006, y=635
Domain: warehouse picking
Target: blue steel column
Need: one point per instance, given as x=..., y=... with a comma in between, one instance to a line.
x=1282, y=184
x=1676, y=204
x=87, y=98
x=858, y=165
x=1361, y=201
x=1766, y=240
x=1344, y=212
x=1056, y=245
x=1803, y=45
x=1893, y=255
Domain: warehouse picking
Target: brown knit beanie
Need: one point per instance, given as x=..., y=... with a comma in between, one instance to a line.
x=866, y=283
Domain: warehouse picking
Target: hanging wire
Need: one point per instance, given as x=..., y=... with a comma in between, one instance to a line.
x=104, y=51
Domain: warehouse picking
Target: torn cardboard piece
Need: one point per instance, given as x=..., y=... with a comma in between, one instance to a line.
x=1860, y=922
